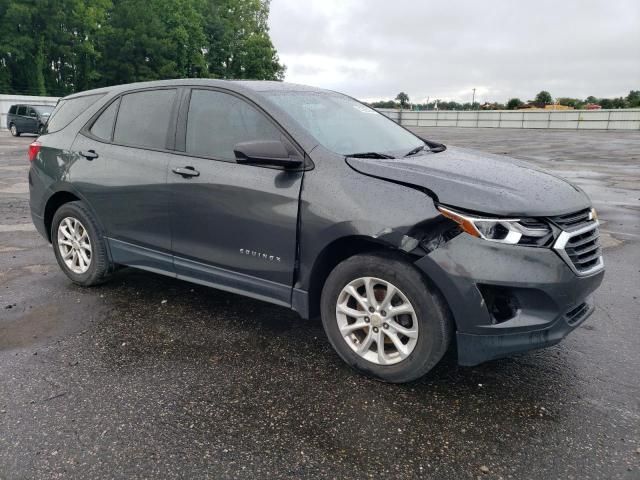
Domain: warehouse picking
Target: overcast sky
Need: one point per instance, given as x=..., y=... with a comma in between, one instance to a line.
x=372, y=49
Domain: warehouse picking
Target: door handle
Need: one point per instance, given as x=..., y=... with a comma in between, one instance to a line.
x=89, y=154
x=186, y=172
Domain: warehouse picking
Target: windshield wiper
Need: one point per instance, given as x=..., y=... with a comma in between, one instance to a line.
x=415, y=150
x=433, y=148
x=369, y=155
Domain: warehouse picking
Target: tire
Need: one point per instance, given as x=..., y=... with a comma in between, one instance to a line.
x=429, y=322
x=14, y=130
x=99, y=266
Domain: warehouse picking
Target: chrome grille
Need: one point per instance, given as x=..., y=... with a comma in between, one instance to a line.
x=580, y=248
x=572, y=221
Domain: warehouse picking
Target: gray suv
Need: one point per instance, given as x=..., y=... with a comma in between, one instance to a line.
x=27, y=118
x=311, y=200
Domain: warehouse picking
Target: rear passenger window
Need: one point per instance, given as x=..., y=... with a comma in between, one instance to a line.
x=144, y=118
x=22, y=110
x=218, y=121
x=13, y=109
x=103, y=126
x=68, y=110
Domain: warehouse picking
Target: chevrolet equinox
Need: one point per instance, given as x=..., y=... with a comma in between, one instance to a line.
x=309, y=199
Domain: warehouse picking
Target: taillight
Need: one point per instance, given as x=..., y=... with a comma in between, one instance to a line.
x=34, y=148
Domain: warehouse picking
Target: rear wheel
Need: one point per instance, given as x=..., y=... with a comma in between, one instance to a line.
x=384, y=319
x=14, y=130
x=79, y=247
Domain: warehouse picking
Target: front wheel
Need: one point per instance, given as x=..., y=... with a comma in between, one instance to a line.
x=384, y=319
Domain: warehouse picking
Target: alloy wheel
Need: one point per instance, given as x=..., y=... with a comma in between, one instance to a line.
x=377, y=320
x=74, y=245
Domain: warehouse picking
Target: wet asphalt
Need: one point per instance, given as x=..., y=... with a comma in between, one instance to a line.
x=150, y=377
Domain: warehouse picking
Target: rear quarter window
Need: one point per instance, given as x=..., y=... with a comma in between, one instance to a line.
x=68, y=110
x=102, y=128
x=12, y=110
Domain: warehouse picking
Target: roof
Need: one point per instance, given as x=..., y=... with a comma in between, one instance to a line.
x=235, y=85
x=24, y=104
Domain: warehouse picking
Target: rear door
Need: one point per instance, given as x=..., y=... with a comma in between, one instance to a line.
x=128, y=147
x=234, y=226
x=21, y=118
x=31, y=121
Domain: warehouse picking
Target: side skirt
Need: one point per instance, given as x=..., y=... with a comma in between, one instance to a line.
x=135, y=256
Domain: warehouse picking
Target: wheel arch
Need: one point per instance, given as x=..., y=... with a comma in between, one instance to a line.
x=61, y=193
x=346, y=247
x=337, y=251
x=54, y=202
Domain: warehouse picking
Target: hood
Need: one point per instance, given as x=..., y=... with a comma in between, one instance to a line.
x=480, y=182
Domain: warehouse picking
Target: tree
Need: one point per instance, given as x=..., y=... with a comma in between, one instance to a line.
x=544, y=98
x=633, y=99
x=237, y=40
x=514, y=104
x=152, y=40
x=619, y=102
x=56, y=47
x=403, y=98
x=384, y=104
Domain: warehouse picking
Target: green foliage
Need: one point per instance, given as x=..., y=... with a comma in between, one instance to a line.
x=56, y=47
x=237, y=40
x=403, y=98
x=514, y=104
x=633, y=99
x=384, y=104
x=612, y=102
x=570, y=102
x=544, y=98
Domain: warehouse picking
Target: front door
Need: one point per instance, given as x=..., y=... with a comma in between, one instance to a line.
x=233, y=226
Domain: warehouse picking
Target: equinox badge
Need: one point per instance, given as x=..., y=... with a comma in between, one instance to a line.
x=264, y=256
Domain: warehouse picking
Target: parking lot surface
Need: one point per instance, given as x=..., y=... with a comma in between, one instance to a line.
x=151, y=377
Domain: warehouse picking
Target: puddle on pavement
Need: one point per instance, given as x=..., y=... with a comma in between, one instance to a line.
x=25, y=330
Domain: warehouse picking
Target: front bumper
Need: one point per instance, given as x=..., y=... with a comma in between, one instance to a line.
x=549, y=300
x=476, y=349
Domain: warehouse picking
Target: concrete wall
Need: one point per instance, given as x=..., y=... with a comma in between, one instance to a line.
x=7, y=100
x=628, y=119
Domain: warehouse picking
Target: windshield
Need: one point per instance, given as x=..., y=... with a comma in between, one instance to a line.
x=43, y=109
x=344, y=125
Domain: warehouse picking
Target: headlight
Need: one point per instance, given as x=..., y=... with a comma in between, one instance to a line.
x=512, y=231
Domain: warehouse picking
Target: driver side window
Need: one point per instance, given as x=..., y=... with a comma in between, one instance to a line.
x=217, y=121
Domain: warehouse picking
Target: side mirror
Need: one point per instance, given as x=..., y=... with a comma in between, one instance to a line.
x=266, y=152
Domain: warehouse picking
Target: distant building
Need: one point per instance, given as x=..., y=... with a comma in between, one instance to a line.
x=592, y=106
x=542, y=106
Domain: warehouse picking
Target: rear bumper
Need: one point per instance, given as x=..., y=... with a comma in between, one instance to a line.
x=547, y=299
x=38, y=222
x=38, y=192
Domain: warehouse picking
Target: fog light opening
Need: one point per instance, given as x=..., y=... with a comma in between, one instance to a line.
x=501, y=303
